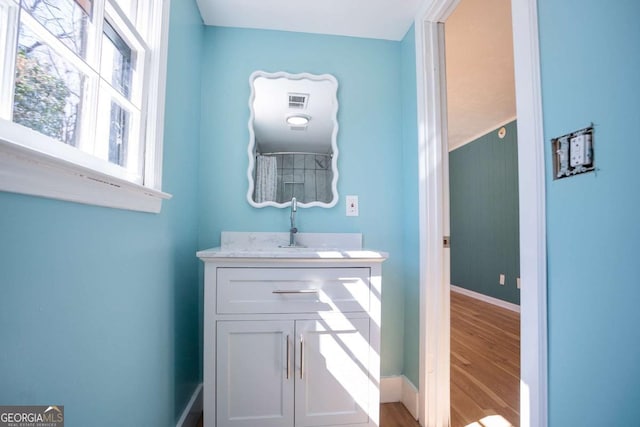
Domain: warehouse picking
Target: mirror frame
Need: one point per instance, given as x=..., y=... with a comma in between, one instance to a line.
x=252, y=139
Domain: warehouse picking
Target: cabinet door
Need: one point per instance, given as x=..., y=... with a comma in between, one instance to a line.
x=333, y=382
x=254, y=385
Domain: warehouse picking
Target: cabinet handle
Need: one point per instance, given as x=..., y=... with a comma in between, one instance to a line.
x=288, y=358
x=301, y=357
x=299, y=291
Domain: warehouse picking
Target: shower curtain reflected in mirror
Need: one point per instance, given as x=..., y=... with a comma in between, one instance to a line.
x=266, y=178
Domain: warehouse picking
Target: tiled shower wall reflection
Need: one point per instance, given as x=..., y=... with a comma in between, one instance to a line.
x=307, y=177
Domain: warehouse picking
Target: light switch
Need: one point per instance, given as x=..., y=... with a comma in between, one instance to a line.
x=352, y=206
x=502, y=279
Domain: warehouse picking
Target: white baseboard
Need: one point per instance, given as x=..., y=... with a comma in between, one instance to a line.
x=485, y=298
x=399, y=389
x=391, y=389
x=410, y=397
x=193, y=410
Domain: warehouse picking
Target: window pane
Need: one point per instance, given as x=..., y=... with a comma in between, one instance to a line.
x=65, y=19
x=118, y=135
x=48, y=90
x=116, y=61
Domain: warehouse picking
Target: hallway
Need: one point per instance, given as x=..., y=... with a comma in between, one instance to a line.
x=485, y=364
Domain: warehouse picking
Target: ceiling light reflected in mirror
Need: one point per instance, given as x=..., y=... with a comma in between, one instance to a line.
x=298, y=120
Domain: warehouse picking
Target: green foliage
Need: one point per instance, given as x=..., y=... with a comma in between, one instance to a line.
x=40, y=97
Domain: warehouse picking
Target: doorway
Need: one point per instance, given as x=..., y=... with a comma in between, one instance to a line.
x=483, y=215
x=433, y=213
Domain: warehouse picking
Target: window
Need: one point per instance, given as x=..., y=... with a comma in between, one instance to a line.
x=81, y=100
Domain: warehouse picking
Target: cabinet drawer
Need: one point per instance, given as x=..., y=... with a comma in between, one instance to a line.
x=292, y=290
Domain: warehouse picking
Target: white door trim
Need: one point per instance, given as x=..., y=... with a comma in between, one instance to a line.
x=533, y=242
x=434, y=299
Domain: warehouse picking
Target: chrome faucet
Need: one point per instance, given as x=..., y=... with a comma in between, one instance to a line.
x=293, y=230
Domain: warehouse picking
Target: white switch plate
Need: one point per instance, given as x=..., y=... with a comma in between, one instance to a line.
x=502, y=279
x=518, y=282
x=352, y=206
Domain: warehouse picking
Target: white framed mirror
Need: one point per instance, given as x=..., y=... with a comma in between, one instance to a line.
x=293, y=151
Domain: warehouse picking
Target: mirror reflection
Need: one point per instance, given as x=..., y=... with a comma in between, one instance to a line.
x=292, y=147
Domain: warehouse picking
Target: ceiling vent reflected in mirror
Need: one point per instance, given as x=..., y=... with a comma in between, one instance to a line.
x=298, y=101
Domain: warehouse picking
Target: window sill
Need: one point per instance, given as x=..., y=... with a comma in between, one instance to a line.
x=28, y=171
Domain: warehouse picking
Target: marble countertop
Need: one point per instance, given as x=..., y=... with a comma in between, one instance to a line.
x=293, y=253
x=330, y=246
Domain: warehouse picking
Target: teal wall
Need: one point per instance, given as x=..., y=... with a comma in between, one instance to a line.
x=99, y=307
x=590, y=74
x=410, y=234
x=483, y=181
x=369, y=140
x=181, y=149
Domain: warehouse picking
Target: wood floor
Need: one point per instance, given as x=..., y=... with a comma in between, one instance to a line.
x=485, y=364
x=485, y=368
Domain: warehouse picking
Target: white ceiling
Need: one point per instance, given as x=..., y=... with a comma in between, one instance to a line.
x=480, y=79
x=377, y=19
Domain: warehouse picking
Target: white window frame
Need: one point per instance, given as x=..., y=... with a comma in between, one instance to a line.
x=35, y=164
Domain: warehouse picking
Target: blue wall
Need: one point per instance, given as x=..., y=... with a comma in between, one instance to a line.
x=369, y=141
x=181, y=149
x=99, y=307
x=485, y=241
x=114, y=297
x=410, y=234
x=590, y=74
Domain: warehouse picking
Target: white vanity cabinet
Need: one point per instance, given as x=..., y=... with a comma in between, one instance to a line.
x=333, y=386
x=253, y=386
x=291, y=339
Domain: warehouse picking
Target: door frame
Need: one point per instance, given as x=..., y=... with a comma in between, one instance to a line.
x=434, y=401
